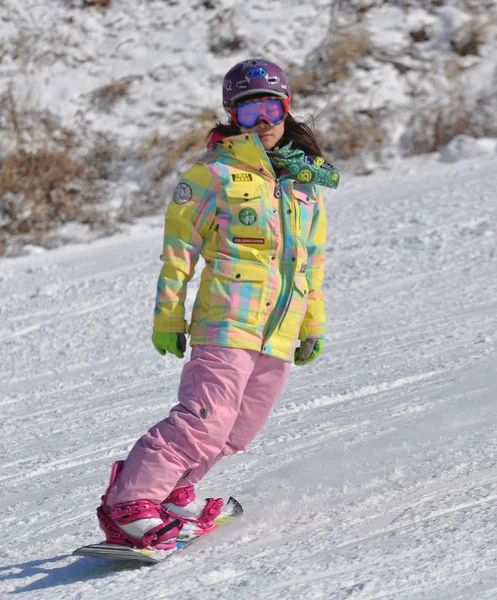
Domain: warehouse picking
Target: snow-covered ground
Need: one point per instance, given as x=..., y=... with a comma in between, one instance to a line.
x=376, y=475
x=171, y=55
x=125, y=88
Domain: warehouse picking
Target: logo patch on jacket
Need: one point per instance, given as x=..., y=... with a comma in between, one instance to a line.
x=183, y=193
x=243, y=177
x=247, y=216
x=240, y=240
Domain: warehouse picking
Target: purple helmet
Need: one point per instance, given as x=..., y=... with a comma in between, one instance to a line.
x=254, y=76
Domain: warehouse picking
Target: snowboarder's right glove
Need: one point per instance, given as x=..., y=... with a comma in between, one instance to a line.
x=174, y=343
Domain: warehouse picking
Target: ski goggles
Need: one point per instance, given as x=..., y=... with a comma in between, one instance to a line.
x=269, y=108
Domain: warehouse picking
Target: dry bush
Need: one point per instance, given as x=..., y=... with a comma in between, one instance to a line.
x=105, y=97
x=48, y=176
x=359, y=7
x=430, y=4
x=43, y=189
x=434, y=125
x=224, y=46
x=435, y=121
x=3, y=51
x=100, y=160
x=151, y=147
x=351, y=133
x=454, y=68
x=29, y=129
x=187, y=146
x=304, y=83
x=37, y=48
x=356, y=8
x=333, y=62
x=35, y=192
x=469, y=38
x=341, y=53
x=365, y=7
x=25, y=45
x=478, y=6
x=224, y=38
x=419, y=35
x=99, y=3
x=431, y=127
x=162, y=156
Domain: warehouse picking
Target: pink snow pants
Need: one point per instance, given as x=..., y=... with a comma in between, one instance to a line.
x=225, y=398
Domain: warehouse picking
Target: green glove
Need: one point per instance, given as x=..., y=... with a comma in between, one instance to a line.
x=308, y=351
x=174, y=343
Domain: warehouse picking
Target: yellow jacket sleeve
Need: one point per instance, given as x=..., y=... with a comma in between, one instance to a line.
x=189, y=217
x=314, y=323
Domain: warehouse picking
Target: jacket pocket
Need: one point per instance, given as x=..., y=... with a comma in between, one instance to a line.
x=304, y=205
x=238, y=292
x=296, y=308
x=246, y=222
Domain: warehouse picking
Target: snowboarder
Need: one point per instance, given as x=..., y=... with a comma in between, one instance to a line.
x=251, y=206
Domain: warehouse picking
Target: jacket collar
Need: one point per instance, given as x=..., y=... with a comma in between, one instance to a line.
x=246, y=149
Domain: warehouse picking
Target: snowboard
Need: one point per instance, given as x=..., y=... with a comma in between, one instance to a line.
x=189, y=534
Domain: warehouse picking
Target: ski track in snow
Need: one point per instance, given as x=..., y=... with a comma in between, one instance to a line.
x=376, y=475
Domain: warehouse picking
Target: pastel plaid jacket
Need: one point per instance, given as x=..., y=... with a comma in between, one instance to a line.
x=263, y=242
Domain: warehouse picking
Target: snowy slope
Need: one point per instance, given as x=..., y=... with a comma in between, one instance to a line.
x=129, y=92
x=376, y=475
x=57, y=57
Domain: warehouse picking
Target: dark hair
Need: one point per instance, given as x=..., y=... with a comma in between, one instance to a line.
x=297, y=132
x=301, y=135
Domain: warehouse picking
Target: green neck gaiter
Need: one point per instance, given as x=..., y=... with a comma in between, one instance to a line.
x=304, y=169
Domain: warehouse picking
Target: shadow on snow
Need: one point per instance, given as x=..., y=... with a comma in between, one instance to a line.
x=81, y=569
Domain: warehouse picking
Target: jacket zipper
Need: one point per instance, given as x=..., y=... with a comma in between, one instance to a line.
x=273, y=328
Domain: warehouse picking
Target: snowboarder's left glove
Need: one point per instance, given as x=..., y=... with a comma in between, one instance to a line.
x=308, y=351
x=174, y=343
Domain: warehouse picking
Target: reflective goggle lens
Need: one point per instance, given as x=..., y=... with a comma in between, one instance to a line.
x=271, y=109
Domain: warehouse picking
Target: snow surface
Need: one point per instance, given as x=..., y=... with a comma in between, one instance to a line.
x=56, y=57
x=139, y=75
x=376, y=475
